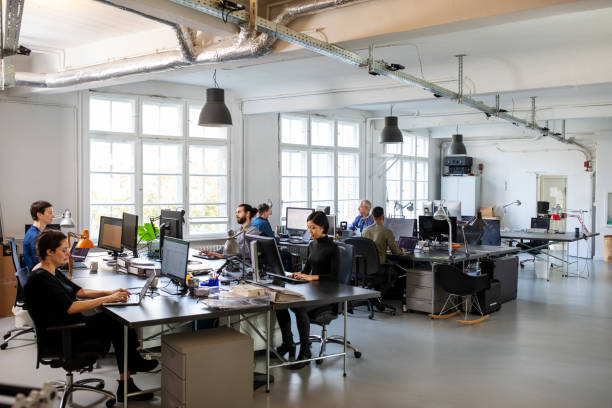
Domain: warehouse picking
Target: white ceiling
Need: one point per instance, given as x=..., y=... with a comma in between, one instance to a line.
x=61, y=24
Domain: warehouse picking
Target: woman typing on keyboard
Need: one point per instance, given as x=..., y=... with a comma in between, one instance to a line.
x=322, y=264
x=54, y=300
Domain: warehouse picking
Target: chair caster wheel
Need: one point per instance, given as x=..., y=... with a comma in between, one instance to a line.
x=358, y=354
x=6, y=336
x=3, y=346
x=111, y=403
x=319, y=362
x=393, y=313
x=100, y=386
x=371, y=316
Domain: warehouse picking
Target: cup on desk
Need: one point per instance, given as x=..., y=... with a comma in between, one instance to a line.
x=93, y=267
x=577, y=232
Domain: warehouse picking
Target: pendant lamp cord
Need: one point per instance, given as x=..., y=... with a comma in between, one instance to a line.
x=215, y=78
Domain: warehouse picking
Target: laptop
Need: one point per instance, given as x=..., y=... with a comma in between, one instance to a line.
x=407, y=243
x=78, y=258
x=135, y=298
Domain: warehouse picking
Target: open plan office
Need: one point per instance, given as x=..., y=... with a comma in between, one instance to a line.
x=330, y=203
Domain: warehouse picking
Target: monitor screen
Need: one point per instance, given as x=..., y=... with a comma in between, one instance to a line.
x=174, y=259
x=331, y=231
x=452, y=208
x=129, y=233
x=296, y=218
x=110, y=233
x=401, y=227
x=491, y=234
x=174, y=220
x=428, y=207
x=269, y=256
x=430, y=228
x=540, y=222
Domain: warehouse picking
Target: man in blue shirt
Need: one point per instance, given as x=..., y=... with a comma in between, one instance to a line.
x=42, y=214
x=364, y=219
x=261, y=222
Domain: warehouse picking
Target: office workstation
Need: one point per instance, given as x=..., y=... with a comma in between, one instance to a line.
x=305, y=203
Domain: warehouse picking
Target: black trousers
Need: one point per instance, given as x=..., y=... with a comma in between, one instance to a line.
x=302, y=321
x=104, y=330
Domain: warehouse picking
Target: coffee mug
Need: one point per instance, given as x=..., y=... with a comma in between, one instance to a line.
x=94, y=267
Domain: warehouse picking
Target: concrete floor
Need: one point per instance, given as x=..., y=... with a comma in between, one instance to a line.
x=550, y=348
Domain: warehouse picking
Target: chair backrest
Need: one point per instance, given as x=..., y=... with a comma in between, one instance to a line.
x=346, y=262
x=13, y=246
x=366, y=250
x=456, y=282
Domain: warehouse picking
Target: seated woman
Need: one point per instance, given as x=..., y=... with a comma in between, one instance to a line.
x=322, y=264
x=54, y=300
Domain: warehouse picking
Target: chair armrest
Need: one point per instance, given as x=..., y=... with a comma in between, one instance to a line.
x=66, y=337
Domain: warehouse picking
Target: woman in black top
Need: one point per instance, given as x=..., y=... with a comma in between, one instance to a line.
x=54, y=300
x=322, y=264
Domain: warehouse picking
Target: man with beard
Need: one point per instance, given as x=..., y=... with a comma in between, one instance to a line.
x=244, y=215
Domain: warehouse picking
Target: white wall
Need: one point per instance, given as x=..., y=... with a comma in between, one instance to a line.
x=603, y=168
x=38, y=157
x=512, y=175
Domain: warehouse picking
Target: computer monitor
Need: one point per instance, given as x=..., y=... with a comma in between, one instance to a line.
x=540, y=222
x=129, y=233
x=401, y=227
x=269, y=258
x=331, y=231
x=431, y=229
x=174, y=220
x=452, y=208
x=325, y=208
x=56, y=227
x=110, y=235
x=174, y=260
x=296, y=218
x=428, y=207
x=491, y=234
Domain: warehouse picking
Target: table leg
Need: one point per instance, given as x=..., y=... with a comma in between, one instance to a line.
x=345, y=339
x=548, y=268
x=125, y=367
x=268, y=334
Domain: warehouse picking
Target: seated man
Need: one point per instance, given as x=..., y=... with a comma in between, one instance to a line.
x=42, y=214
x=382, y=236
x=364, y=219
x=244, y=214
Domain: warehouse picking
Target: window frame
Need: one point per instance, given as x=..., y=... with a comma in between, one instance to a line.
x=139, y=139
x=309, y=148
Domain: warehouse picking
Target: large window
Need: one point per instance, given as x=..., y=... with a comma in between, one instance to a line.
x=162, y=161
x=320, y=164
x=407, y=176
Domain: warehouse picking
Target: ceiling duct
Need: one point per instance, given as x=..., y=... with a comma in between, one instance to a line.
x=241, y=46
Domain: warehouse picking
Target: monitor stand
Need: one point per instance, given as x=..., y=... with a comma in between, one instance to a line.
x=112, y=260
x=181, y=289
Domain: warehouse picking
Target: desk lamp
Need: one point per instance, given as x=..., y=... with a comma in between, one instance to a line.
x=67, y=221
x=475, y=221
x=441, y=215
x=231, y=248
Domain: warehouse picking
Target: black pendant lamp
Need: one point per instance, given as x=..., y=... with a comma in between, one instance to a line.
x=456, y=147
x=214, y=113
x=391, y=133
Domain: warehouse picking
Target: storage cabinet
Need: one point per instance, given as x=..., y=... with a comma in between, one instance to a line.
x=423, y=293
x=465, y=189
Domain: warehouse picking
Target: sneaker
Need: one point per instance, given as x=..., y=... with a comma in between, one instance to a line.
x=144, y=366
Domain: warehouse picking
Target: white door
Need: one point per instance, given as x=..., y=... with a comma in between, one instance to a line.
x=553, y=189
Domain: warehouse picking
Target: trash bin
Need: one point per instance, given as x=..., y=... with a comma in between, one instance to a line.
x=608, y=248
x=541, y=269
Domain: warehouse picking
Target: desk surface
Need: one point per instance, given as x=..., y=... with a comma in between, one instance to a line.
x=546, y=236
x=439, y=255
x=166, y=308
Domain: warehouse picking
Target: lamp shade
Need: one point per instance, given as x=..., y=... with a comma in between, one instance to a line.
x=391, y=133
x=215, y=113
x=67, y=221
x=231, y=246
x=456, y=147
x=440, y=214
x=85, y=242
x=478, y=221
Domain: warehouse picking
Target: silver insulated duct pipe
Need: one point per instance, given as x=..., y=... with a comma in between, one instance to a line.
x=243, y=45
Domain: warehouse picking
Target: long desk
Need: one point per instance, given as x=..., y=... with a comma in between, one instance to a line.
x=423, y=292
x=165, y=309
x=551, y=237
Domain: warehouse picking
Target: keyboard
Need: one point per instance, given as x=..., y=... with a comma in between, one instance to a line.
x=208, y=258
x=133, y=299
x=286, y=278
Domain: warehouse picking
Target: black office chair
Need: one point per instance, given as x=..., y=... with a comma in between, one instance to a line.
x=323, y=316
x=535, y=247
x=371, y=274
x=79, y=357
x=27, y=327
x=461, y=285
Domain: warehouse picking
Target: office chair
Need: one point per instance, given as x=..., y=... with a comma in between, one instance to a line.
x=27, y=326
x=535, y=247
x=461, y=285
x=323, y=316
x=372, y=274
x=79, y=358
